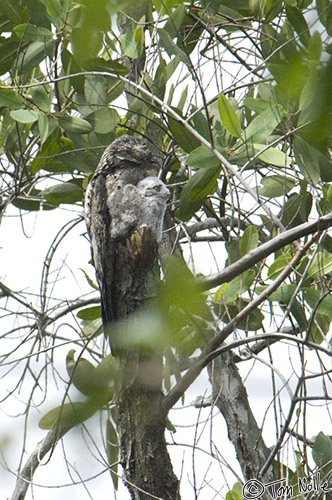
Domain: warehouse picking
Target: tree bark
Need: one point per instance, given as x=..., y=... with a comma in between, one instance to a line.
x=141, y=428
x=141, y=423
x=230, y=397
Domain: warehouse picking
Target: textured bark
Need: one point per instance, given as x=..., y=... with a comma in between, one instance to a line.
x=134, y=273
x=141, y=428
x=230, y=397
x=140, y=422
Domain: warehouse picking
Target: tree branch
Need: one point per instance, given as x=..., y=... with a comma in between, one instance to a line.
x=264, y=250
x=25, y=477
x=211, y=349
x=231, y=398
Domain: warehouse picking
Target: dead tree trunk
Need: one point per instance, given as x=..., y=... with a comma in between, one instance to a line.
x=144, y=457
x=230, y=397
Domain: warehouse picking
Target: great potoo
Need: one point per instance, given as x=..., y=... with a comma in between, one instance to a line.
x=124, y=209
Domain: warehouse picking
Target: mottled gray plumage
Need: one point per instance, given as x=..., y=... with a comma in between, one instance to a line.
x=126, y=161
x=124, y=197
x=133, y=207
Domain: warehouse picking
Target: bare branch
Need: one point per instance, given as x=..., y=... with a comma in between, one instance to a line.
x=25, y=477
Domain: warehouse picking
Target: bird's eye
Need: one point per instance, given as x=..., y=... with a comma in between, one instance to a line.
x=157, y=188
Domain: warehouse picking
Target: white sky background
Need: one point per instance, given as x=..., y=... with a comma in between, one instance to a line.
x=24, y=273
x=20, y=269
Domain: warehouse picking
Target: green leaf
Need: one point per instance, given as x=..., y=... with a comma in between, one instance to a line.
x=74, y=124
x=160, y=79
x=237, y=490
x=47, y=153
x=107, y=370
x=89, y=313
x=257, y=7
x=179, y=291
x=33, y=33
x=278, y=266
x=327, y=243
x=34, y=55
x=81, y=373
x=276, y=185
x=315, y=47
x=175, y=21
x=66, y=192
x=296, y=209
x=314, y=298
x=42, y=98
x=225, y=312
x=131, y=43
x=319, y=328
x=203, y=183
x=24, y=115
x=65, y=417
x=181, y=135
x=235, y=493
x=233, y=250
x=262, y=126
x=324, y=9
x=249, y=240
x=283, y=296
x=43, y=126
x=171, y=66
x=29, y=202
x=112, y=450
x=272, y=156
x=171, y=47
x=95, y=89
x=183, y=99
x=229, y=117
x=104, y=120
x=322, y=452
x=321, y=265
x=297, y=20
x=238, y=286
x=202, y=157
x=99, y=64
x=10, y=99
x=53, y=7
x=90, y=281
x=92, y=328
x=11, y=11
x=89, y=380
x=258, y=105
x=200, y=123
x=307, y=159
x=87, y=39
x=8, y=54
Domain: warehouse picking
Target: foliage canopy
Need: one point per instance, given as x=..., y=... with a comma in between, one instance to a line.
x=236, y=97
